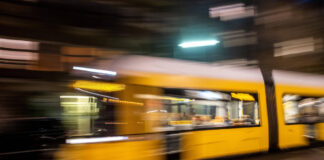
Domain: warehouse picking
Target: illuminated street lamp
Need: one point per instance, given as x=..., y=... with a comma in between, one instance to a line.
x=198, y=43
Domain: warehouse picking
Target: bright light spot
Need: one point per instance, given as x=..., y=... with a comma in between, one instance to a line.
x=74, y=97
x=207, y=95
x=95, y=140
x=198, y=43
x=290, y=97
x=111, y=73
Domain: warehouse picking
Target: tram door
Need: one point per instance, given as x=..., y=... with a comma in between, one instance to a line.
x=303, y=116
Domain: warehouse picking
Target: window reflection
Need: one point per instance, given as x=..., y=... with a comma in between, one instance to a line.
x=303, y=109
x=173, y=109
x=192, y=109
x=87, y=115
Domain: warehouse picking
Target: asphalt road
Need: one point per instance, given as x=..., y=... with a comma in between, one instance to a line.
x=300, y=154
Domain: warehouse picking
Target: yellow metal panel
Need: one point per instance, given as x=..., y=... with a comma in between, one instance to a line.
x=224, y=142
x=132, y=116
x=292, y=135
x=221, y=142
x=320, y=131
x=132, y=150
x=148, y=83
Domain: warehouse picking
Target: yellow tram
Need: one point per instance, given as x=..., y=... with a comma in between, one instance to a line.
x=168, y=108
x=295, y=91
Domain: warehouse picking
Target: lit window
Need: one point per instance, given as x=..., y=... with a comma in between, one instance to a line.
x=302, y=109
x=194, y=109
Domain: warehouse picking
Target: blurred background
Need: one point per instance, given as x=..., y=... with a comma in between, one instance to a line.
x=41, y=42
x=53, y=35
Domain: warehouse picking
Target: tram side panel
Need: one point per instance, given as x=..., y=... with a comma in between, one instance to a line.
x=127, y=150
x=229, y=141
x=214, y=118
x=290, y=130
x=300, y=106
x=320, y=131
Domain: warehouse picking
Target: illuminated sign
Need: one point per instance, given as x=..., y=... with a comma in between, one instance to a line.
x=98, y=86
x=243, y=96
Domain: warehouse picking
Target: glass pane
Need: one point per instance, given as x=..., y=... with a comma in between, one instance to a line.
x=302, y=109
x=87, y=115
x=192, y=109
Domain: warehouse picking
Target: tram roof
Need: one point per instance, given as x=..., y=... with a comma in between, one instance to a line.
x=298, y=79
x=134, y=63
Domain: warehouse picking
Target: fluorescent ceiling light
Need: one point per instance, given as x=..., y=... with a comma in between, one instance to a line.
x=95, y=140
x=207, y=95
x=74, y=97
x=111, y=73
x=198, y=43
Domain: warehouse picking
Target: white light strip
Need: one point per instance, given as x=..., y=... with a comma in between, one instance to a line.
x=112, y=73
x=198, y=43
x=95, y=140
x=74, y=97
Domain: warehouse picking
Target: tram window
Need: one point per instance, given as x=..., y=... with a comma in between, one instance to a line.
x=87, y=116
x=193, y=109
x=303, y=109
